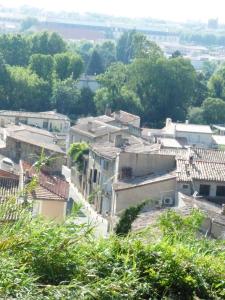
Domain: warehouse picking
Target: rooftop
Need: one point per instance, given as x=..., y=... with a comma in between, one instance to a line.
x=35, y=136
x=150, y=217
x=40, y=115
x=200, y=170
x=171, y=127
x=219, y=139
x=124, y=117
x=93, y=128
x=145, y=180
x=110, y=151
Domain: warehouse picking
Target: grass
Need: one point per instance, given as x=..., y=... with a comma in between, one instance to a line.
x=44, y=260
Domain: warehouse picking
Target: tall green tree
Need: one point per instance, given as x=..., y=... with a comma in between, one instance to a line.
x=27, y=90
x=42, y=65
x=217, y=83
x=15, y=49
x=68, y=64
x=133, y=45
x=165, y=87
x=114, y=92
x=95, y=65
x=47, y=43
x=65, y=96
x=214, y=110
x=107, y=51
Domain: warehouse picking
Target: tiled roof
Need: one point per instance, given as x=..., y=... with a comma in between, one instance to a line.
x=200, y=170
x=8, y=187
x=34, y=136
x=38, y=115
x=42, y=193
x=124, y=117
x=108, y=149
x=94, y=128
x=145, y=180
x=182, y=127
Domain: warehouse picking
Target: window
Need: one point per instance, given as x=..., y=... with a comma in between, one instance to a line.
x=126, y=172
x=95, y=175
x=45, y=125
x=204, y=190
x=185, y=186
x=220, y=191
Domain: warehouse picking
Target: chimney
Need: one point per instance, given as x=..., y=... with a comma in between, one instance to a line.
x=108, y=111
x=118, y=141
x=168, y=121
x=223, y=210
x=89, y=126
x=117, y=115
x=186, y=121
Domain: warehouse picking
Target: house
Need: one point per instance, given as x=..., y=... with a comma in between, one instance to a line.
x=49, y=197
x=125, y=172
x=213, y=224
x=49, y=120
x=202, y=171
x=181, y=135
x=27, y=142
x=92, y=130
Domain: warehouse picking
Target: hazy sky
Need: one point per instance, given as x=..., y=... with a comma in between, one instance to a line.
x=177, y=10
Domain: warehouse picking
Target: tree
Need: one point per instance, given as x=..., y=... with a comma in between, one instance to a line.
x=165, y=87
x=107, y=51
x=217, y=83
x=27, y=91
x=136, y=45
x=214, y=111
x=47, y=43
x=114, y=92
x=200, y=90
x=42, y=65
x=176, y=54
x=195, y=115
x=95, y=65
x=15, y=49
x=86, y=104
x=68, y=64
x=65, y=96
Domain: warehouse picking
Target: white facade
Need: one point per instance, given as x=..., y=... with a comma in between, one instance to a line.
x=50, y=121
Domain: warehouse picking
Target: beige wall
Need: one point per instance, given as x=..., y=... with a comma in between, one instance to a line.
x=52, y=209
x=144, y=164
x=153, y=191
x=215, y=229
x=30, y=153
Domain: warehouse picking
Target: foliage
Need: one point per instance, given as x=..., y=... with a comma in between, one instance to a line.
x=68, y=64
x=65, y=96
x=45, y=260
x=25, y=88
x=95, y=65
x=133, y=45
x=42, y=65
x=127, y=218
x=214, y=110
x=195, y=115
x=77, y=152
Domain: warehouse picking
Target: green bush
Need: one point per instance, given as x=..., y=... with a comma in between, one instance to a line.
x=44, y=260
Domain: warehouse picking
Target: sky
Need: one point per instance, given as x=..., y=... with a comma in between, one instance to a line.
x=175, y=10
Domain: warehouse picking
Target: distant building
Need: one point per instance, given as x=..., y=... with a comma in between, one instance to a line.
x=49, y=120
x=88, y=81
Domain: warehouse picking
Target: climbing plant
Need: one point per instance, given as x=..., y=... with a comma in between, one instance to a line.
x=77, y=152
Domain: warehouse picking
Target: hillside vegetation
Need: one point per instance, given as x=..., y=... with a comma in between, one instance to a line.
x=44, y=260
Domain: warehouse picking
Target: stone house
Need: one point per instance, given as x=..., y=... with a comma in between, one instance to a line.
x=27, y=143
x=180, y=135
x=49, y=120
x=126, y=172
